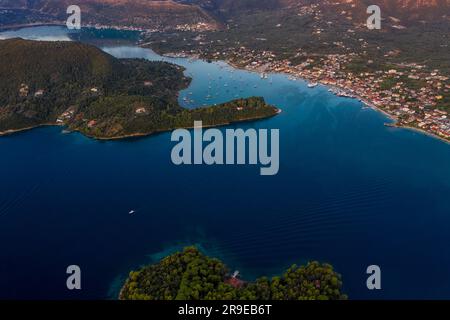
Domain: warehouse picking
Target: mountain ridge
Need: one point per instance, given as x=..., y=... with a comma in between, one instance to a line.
x=166, y=14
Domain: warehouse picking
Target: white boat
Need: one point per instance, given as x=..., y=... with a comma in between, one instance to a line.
x=132, y=212
x=313, y=85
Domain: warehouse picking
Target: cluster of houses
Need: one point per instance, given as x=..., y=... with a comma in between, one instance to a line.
x=66, y=115
x=24, y=91
x=100, y=26
x=197, y=27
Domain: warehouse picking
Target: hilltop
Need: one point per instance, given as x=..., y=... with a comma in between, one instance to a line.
x=207, y=15
x=412, y=10
x=87, y=90
x=149, y=14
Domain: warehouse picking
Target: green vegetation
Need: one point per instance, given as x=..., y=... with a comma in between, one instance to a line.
x=388, y=83
x=190, y=275
x=285, y=32
x=116, y=116
x=361, y=64
x=444, y=103
x=414, y=84
x=85, y=89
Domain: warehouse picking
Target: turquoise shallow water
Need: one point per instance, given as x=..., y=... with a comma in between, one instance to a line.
x=350, y=191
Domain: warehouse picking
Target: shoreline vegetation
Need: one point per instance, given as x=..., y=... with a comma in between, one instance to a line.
x=191, y=275
x=91, y=92
x=218, y=125
x=138, y=134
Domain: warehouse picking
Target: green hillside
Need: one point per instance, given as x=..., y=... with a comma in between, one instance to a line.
x=85, y=89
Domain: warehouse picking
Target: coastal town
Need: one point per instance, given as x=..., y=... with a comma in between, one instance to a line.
x=410, y=94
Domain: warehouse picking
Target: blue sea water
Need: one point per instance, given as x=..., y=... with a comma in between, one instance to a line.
x=350, y=191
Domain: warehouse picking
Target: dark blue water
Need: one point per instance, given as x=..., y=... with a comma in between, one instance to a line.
x=350, y=191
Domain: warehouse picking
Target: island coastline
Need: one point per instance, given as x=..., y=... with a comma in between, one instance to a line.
x=134, y=135
x=143, y=135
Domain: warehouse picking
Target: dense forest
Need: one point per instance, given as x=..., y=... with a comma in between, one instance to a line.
x=87, y=90
x=191, y=275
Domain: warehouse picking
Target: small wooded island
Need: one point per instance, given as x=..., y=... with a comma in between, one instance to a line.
x=190, y=275
x=87, y=90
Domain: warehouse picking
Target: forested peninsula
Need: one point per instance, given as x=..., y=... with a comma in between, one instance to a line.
x=191, y=275
x=87, y=90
